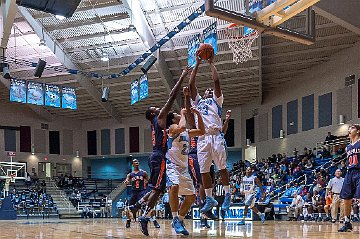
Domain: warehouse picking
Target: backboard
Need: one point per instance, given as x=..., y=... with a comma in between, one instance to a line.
x=12, y=170
x=269, y=16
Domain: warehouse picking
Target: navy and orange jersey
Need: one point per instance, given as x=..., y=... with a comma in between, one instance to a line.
x=353, y=155
x=137, y=180
x=193, y=145
x=158, y=136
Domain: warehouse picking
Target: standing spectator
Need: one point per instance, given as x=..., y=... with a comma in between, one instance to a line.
x=102, y=207
x=120, y=206
x=166, y=203
x=318, y=204
x=296, y=207
x=334, y=187
x=108, y=207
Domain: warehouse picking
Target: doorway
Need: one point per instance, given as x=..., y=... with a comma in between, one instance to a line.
x=45, y=170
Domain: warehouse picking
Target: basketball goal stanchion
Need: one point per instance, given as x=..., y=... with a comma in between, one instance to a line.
x=240, y=42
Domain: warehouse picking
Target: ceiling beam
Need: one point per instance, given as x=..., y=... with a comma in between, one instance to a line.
x=8, y=10
x=61, y=56
x=148, y=39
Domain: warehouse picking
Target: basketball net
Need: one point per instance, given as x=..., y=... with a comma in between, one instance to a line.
x=239, y=43
x=12, y=177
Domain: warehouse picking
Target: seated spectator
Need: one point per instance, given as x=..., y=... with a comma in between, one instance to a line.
x=295, y=208
x=330, y=137
x=327, y=207
x=318, y=204
x=308, y=209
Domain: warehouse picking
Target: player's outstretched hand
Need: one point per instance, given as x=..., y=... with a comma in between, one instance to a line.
x=183, y=111
x=186, y=90
x=185, y=72
x=194, y=110
x=228, y=114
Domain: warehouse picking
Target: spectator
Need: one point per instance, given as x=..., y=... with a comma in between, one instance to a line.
x=330, y=137
x=334, y=187
x=295, y=207
x=328, y=205
x=102, y=207
x=120, y=206
x=318, y=204
x=308, y=210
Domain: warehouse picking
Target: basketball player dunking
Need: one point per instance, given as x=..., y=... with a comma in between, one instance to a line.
x=351, y=186
x=157, y=163
x=211, y=146
x=179, y=179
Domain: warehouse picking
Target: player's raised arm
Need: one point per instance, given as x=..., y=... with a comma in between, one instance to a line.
x=189, y=116
x=173, y=94
x=146, y=177
x=257, y=181
x=192, y=85
x=127, y=180
x=201, y=130
x=226, y=123
x=215, y=77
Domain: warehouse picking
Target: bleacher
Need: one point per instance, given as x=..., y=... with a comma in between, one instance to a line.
x=92, y=191
x=29, y=202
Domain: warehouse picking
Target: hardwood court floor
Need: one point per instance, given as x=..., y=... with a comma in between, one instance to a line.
x=114, y=228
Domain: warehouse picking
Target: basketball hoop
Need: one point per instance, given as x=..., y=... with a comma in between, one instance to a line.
x=240, y=42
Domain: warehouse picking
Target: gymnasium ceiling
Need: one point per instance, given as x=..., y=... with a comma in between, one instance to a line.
x=100, y=26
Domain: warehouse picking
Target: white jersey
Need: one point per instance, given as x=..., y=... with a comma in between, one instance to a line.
x=248, y=184
x=211, y=110
x=178, y=149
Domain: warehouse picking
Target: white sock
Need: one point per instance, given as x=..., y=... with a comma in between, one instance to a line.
x=152, y=218
x=346, y=219
x=259, y=213
x=355, y=215
x=181, y=218
x=319, y=214
x=175, y=214
x=227, y=189
x=208, y=192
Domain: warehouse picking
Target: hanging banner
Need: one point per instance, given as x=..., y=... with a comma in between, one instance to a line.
x=52, y=95
x=68, y=99
x=193, y=45
x=134, y=92
x=210, y=36
x=144, y=87
x=18, y=91
x=35, y=93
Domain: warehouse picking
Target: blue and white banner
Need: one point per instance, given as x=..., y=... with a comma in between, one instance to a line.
x=68, y=99
x=18, y=91
x=193, y=45
x=210, y=36
x=144, y=87
x=52, y=95
x=35, y=93
x=235, y=212
x=134, y=92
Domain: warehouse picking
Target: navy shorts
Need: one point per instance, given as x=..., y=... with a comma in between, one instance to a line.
x=136, y=196
x=351, y=186
x=157, y=165
x=194, y=170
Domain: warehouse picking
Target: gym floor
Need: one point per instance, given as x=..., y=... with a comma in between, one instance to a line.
x=115, y=228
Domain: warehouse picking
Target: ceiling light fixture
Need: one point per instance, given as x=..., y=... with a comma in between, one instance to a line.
x=104, y=57
x=132, y=28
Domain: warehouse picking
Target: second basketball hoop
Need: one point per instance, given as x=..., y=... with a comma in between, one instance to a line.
x=240, y=42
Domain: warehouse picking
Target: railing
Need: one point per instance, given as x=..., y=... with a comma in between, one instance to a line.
x=62, y=195
x=299, y=179
x=117, y=190
x=344, y=140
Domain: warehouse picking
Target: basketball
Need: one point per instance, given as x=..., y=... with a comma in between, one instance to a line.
x=205, y=51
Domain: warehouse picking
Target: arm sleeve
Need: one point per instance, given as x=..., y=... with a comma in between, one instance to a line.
x=329, y=185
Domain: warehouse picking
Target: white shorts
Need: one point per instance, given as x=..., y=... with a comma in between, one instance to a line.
x=250, y=200
x=177, y=175
x=211, y=148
